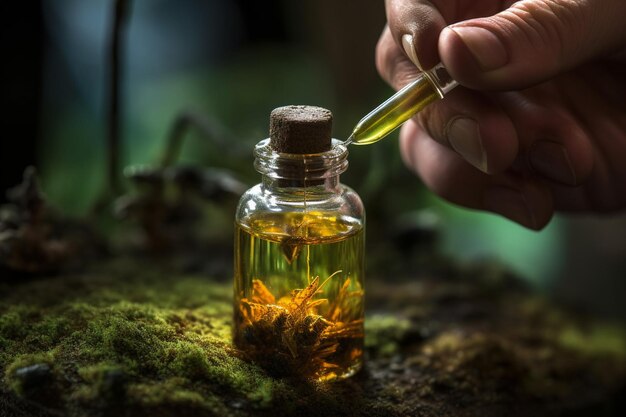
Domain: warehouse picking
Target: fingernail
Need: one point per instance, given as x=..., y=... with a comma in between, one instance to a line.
x=550, y=159
x=409, y=48
x=510, y=203
x=464, y=137
x=486, y=48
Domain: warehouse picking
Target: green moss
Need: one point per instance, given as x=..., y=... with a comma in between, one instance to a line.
x=188, y=359
x=174, y=391
x=13, y=322
x=97, y=382
x=169, y=340
x=385, y=333
x=48, y=332
x=597, y=339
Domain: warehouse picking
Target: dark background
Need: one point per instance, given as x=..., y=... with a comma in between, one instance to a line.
x=22, y=38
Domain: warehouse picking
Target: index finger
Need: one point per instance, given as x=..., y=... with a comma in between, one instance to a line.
x=415, y=26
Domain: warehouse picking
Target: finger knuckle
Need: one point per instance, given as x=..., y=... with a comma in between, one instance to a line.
x=554, y=27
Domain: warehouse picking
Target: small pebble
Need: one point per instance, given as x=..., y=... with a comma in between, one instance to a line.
x=237, y=404
x=34, y=376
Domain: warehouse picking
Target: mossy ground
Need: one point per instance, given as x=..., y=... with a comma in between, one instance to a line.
x=143, y=338
x=131, y=337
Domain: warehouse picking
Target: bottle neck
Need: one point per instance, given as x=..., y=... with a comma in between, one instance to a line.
x=326, y=185
x=292, y=173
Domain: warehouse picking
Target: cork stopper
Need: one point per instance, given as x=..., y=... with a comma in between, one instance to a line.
x=301, y=129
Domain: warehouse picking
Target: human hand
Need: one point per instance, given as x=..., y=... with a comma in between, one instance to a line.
x=539, y=121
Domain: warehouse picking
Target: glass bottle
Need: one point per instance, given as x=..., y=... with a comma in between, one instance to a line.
x=299, y=261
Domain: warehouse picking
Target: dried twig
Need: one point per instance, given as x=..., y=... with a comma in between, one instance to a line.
x=115, y=58
x=113, y=106
x=208, y=126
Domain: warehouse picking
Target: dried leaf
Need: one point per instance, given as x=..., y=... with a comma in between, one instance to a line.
x=292, y=337
x=291, y=249
x=260, y=293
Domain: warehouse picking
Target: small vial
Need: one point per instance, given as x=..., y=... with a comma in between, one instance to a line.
x=299, y=254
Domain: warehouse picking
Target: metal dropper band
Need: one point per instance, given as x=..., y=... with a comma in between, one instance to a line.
x=440, y=78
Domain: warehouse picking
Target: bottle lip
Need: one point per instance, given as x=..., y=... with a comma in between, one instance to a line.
x=277, y=165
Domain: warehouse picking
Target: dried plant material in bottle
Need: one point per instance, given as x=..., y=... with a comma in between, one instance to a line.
x=290, y=336
x=289, y=321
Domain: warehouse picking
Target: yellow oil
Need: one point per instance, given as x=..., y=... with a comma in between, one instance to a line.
x=299, y=293
x=396, y=110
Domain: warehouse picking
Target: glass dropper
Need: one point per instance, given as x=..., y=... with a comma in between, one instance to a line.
x=430, y=86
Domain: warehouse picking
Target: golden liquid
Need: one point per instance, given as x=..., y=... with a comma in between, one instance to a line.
x=299, y=293
x=395, y=111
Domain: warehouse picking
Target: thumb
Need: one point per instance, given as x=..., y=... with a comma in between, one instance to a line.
x=531, y=41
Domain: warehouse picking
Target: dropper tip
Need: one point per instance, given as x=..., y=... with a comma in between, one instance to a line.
x=349, y=140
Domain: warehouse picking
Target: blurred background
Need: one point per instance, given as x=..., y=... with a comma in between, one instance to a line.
x=233, y=61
